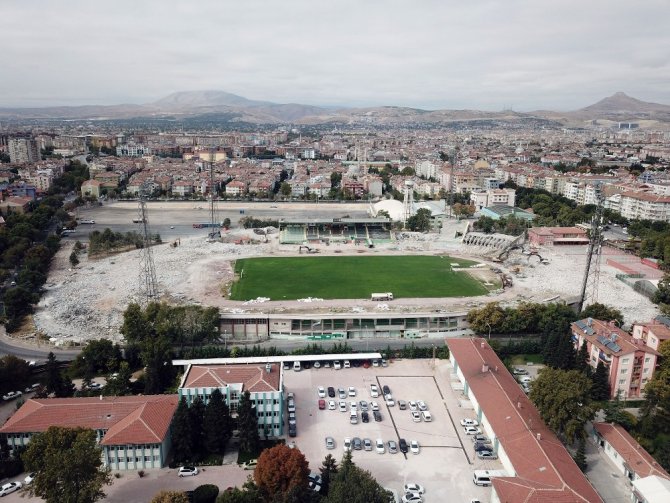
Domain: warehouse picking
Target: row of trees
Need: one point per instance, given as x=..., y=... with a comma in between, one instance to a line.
x=108, y=241
x=511, y=225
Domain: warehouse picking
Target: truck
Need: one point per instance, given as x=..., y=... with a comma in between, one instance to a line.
x=138, y=220
x=206, y=225
x=381, y=296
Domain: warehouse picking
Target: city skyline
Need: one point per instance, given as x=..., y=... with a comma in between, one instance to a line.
x=433, y=55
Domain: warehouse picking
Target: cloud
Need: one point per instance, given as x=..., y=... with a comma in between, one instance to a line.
x=560, y=54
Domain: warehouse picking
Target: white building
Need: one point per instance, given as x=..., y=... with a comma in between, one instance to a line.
x=23, y=150
x=425, y=169
x=495, y=197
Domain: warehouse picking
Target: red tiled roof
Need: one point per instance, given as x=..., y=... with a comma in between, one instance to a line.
x=252, y=377
x=545, y=471
x=626, y=342
x=126, y=419
x=639, y=460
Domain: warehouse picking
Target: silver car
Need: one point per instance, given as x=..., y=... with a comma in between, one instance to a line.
x=330, y=443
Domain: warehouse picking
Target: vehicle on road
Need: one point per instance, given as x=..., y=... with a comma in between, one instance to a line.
x=9, y=488
x=188, y=471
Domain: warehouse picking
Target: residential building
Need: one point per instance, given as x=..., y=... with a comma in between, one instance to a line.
x=644, y=206
x=539, y=468
x=654, y=332
x=133, y=431
x=629, y=457
x=236, y=188
x=15, y=205
x=23, y=150
x=91, y=188
x=425, y=169
x=493, y=197
x=180, y=188
x=264, y=383
x=132, y=150
x=630, y=362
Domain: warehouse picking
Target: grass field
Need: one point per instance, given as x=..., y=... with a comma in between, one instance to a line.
x=291, y=278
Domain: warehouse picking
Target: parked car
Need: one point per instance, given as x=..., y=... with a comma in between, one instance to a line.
x=357, y=444
x=250, y=465
x=375, y=363
x=482, y=447
x=188, y=471
x=353, y=405
x=486, y=455
x=416, y=416
x=413, y=406
x=384, y=362
x=367, y=444
x=341, y=393
x=343, y=406
x=389, y=401
x=402, y=404
x=9, y=488
x=365, y=417
x=471, y=430
x=386, y=389
x=347, y=444
x=377, y=415
x=426, y=416
x=412, y=498
x=321, y=391
x=525, y=379
x=29, y=478
x=32, y=388
x=317, y=364
x=292, y=430
x=483, y=439
x=421, y=405
x=330, y=443
x=331, y=405
x=331, y=392
x=403, y=445
x=414, y=446
x=379, y=446
x=322, y=404
x=469, y=422
x=374, y=391
x=347, y=364
x=352, y=391
x=393, y=447
x=519, y=371
x=363, y=404
x=11, y=395
x=337, y=365
x=414, y=488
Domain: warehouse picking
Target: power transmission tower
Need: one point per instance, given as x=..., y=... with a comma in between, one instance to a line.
x=213, y=233
x=591, y=278
x=454, y=155
x=148, y=283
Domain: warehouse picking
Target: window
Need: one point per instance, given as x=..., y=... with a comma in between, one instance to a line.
x=646, y=371
x=647, y=359
x=622, y=381
x=624, y=361
x=624, y=371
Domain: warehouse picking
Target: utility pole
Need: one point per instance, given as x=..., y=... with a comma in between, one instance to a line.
x=148, y=283
x=593, y=256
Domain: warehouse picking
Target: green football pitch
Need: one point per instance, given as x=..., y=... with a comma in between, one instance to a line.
x=291, y=278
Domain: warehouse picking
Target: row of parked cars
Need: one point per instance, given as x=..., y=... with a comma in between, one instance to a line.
x=482, y=445
x=11, y=487
x=380, y=447
x=336, y=364
x=292, y=423
x=11, y=395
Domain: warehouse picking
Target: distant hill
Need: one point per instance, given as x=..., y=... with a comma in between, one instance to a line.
x=213, y=103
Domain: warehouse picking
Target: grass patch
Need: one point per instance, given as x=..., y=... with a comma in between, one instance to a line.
x=523, y=359
x=244, y=456
x=290, y=278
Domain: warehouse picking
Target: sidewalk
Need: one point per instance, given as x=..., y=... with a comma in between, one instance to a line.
x=611, y=484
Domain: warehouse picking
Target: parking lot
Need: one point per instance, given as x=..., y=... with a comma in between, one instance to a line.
x=446, y=461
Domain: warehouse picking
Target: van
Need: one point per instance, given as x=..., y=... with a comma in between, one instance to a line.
x=296, y=366
x=483, y=477
x=426, y=416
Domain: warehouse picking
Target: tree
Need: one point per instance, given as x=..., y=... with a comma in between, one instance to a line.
x=335, y=179
x=463, y=210
x=281, y=471
x=354, y=485
x=563, y=400
x=599, y=311
x=328, y=471
x=182, y=436
x=615, y=413
x=55, y=382
x=205, y=493
x=196, y=416
x=285, y=189
x=582, y=360
x=170, y=497
x=68, y=465
x=14, y=373
x=120, y=385
x=248, y=494
x=420, y=222
x=226, y=223
x=559, y=352
x=600, y=389
x=247, y=424
x=217, y=424
x=74, y=260
x=580, y=457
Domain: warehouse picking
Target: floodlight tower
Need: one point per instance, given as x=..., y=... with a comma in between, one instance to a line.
x=591, y=278
x=148, y=283
x=408, y=201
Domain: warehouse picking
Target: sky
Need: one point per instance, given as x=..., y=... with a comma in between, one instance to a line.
x=432, y=54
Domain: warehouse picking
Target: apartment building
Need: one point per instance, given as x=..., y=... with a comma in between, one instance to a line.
x=132, y=150
x=495, y=197
x=631, y=363
x=263, y=381
x=23, y=150
x=644, y=206
x=654, y=332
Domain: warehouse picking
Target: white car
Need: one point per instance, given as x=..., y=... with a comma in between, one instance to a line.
x=374, y=391
x=374, y=406
x=347, y=444
x=317, y=365
x=322, y=392
x=341, y=393
x=188, y=471
x=416, y=416
x=347, y=364
x=352, y=391
x=471, y=430
x=353, y=405
x=9, y=488
x=331, y=405
x=29, y=478
x=11, y=396
x=412, y=498
x=469, y=422
x=525, y=379
x=389, y=401
x=414, y=488
x=422, y=405
x=343, y=406
x=337, y=365
x=414, y=446
x=379, y=444
x=413, y=406
x=375, y=363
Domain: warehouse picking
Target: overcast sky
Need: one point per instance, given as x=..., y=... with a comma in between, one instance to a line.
x=524, y=54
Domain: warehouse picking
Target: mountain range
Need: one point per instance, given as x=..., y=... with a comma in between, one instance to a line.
x=233, y=108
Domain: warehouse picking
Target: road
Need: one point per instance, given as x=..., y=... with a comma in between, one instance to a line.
x=34, y=353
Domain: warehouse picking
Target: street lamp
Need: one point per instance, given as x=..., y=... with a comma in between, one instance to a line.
x=489, y=325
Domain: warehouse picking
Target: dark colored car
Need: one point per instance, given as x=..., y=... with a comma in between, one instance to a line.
x=357, y=444
x=365, y=417
x=292, y=430
x=377, y=415
x=331, y=392
x=403, y=446
x=483, y=447
x=386, y=389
